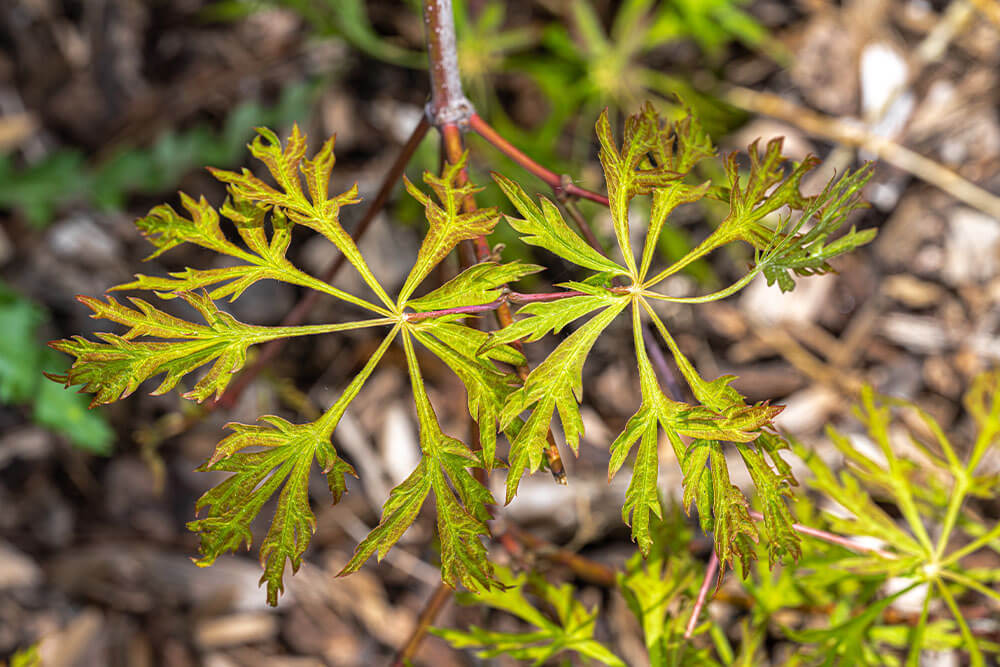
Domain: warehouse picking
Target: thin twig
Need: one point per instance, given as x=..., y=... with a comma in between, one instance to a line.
x=448, y=105
x=515, y=541
x=699, y=603
x=436, y=603
x=554, y=181
x=835, y=129
x=833, y=538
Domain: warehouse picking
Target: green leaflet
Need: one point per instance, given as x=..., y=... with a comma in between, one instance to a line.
x=546, y=317
x=443, y=469
x=476, y=285
x=642, y=497
x=166, y=229
x=808, y=253
x=781, y=249
x=473, y=343
x=544, y=227
x=449, y=225
x=264, y=458
x=628, y=172
x=738, y=423
x=556, y=383
x=313, y=208
x=706, y=478
x=772, y=487
x=487, y=387
x=572, y=629
x=115, y=368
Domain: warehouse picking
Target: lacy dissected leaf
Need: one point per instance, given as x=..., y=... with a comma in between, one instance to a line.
x=665, y=200
x=571, y=629
x=722, y=507
x=165, y=229
x=264, y=458
x=486, y=386
x=653, y=586
x=545, y=227
x=449, y=224
x=781, y=249
x=311, y=207
x=461, y=500
x=556, y=383
x=789, y=231
x=478, y=284
x=773, y=485
x=536, y=320
x=738, y=423
x=794, y=252
x=866, y=516
x=115, y=368
x=648, y=159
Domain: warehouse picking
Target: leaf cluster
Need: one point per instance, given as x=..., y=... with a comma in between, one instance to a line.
x=274, y=459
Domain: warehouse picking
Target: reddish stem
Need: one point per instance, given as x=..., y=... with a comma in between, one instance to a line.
x=699, y=604
x=552, y=179
x=833, y=538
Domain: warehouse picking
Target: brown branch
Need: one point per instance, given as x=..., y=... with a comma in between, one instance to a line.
x=516, y=541
x=436, y=603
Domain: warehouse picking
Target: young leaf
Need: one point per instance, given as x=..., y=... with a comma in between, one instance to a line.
x=782, y=250
x=806, y=254
x=772, y=487
x=628, y=172
x=572, y=629
x=738, y=423
x=544, y=227
x=487, y=387
x=706, y=478
x=555, y=383
x=449, y=225
x=166, y=229
x=443, y=469
x=264, y=459
x=476, y=285
x=316, y=210
x=115, y=368
x=547, y=317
